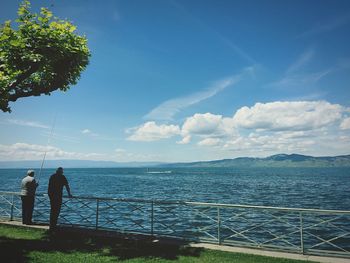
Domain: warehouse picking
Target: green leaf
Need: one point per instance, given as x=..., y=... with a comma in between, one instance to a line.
x=41, y=54
x=15, y=43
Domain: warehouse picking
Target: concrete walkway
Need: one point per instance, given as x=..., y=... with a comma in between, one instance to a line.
x=271, y=253
x=17, y=223
x=260, y=252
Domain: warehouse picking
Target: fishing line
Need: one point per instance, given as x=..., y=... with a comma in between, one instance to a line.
x=47, y=146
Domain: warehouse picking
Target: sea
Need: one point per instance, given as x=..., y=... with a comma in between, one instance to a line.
x=318, y=188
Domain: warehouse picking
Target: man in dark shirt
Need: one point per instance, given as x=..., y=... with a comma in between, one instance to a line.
x=56, y=183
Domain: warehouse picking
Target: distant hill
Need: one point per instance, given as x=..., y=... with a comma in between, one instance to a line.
x=278, y=160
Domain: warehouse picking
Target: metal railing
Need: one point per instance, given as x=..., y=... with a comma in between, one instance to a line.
x=306, y=231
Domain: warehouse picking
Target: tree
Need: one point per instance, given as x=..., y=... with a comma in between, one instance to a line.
x=42, y=55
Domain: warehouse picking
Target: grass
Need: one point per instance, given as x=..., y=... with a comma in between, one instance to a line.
x=18, y=244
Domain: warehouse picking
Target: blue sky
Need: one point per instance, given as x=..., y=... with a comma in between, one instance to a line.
x=193, y=80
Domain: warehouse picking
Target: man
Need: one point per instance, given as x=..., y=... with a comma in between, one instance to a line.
x=56, y=183
x=28, y=188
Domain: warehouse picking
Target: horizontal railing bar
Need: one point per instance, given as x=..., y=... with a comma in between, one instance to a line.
x=288, y=209
x=271, y=208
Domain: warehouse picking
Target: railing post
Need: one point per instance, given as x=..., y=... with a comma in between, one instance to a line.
x=97, y=210
x=219, y=226
x=301, y=233
x=12, y=208
x=152, y=217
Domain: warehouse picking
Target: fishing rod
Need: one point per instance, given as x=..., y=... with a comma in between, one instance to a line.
x=47, y=146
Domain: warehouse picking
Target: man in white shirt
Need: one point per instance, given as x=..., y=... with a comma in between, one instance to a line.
x=28, y=188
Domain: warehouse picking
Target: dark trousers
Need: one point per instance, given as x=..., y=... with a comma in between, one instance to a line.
x=56, y=204
x=27, y=209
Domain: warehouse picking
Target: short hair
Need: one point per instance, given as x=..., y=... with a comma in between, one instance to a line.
x=30, y=172
x=59, y=169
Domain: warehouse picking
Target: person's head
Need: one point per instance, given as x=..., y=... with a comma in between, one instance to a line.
x=59, y=171
x=30, y=173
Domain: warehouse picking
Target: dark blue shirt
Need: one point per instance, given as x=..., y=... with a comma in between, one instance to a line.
x=56, y=184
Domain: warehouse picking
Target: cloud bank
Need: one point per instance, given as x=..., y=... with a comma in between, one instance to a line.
x=282, y=126
x=308, y=127
x=25, y=151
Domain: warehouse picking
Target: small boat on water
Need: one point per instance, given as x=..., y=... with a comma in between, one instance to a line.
x=158, y=172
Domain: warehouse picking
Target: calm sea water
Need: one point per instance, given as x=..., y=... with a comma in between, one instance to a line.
x=324, y=188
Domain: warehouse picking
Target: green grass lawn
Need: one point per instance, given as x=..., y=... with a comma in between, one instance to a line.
x=19, y=244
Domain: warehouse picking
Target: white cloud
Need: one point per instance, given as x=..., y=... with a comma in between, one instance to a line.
x=257, y=144
x=300, y=62
x=95, y=135
x=25, y=151
x=297, y=77
x=327, y=26
x=295, y=115
x=302, y=80
x=33, y=124
x=150, y=131
x=206, y=123
x=86, y=131
x=290, y=127
x=168, y=109
x=345, y=124
x=210, y=142
x=90, y=133
x=185, y=140
x=237, y=49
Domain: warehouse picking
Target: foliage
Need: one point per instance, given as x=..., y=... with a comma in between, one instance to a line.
x=41, y=55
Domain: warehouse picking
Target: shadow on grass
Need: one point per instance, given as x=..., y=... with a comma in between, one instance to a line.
x=118, y=247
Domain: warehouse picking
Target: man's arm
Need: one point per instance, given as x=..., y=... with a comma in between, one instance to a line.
x=68, y=190
x=50, y=188
x=67, y=187
x=34, y=185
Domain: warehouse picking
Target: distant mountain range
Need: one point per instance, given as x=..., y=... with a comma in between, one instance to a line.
x=278, y=160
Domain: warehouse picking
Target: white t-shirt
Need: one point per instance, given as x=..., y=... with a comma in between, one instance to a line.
x=28, y=186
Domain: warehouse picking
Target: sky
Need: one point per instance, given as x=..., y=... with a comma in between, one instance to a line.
x=181, y=81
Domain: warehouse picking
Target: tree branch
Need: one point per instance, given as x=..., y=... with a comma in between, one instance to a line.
x=34, y=67
x=34, y=91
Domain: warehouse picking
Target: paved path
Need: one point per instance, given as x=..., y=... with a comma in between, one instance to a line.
x=272, y=253
x=17, y=223
x=225, y=248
